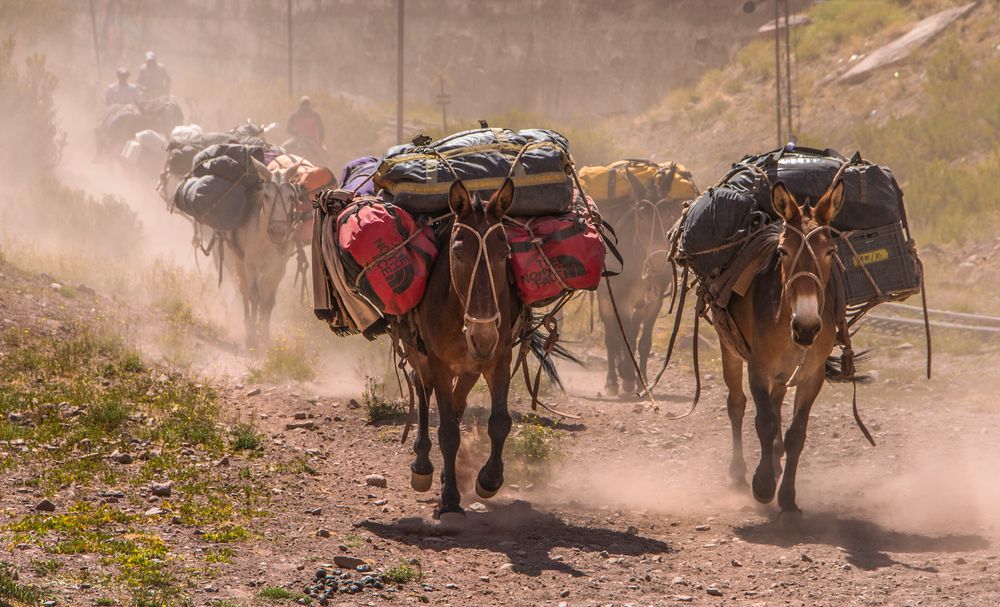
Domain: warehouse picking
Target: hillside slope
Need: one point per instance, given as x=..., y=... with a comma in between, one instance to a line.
x=934, y=118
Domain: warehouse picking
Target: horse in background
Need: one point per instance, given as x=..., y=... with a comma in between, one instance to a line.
x=257, y=252
x=641, y=224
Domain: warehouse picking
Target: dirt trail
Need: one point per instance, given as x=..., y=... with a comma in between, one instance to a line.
x=641, y=510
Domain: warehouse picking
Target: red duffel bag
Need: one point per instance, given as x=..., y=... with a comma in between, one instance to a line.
x=552, y=255
x=387, y=256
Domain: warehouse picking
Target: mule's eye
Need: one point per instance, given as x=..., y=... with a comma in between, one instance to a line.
x=782, y=251
x=830, y=253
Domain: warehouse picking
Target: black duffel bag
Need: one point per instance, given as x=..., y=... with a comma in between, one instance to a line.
x=418, y=177
x=220, y=190
x=871, y=196
x=715, y=227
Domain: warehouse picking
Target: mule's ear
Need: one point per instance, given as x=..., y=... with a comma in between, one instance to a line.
x=784, y=203
x=459, y=199
x=262, y=172
x=501, y=200
x=829, y=205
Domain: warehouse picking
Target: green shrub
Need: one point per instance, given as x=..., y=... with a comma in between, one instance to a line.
x=402, y=573
x=244, y=437
x=285, y=360
x=27, y=116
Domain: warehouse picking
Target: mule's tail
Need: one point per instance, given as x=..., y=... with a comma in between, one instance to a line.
x=547, y=359
x=835, y=369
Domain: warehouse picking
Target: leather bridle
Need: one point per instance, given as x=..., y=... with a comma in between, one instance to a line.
x=481, y=258
x=806, y=245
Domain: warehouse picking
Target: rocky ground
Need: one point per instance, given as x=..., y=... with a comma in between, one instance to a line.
x=287, y=489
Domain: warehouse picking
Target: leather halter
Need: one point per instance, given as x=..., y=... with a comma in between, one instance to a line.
x=481, y=257
x=805, y=245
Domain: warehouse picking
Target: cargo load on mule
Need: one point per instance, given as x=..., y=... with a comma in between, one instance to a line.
x=729, y=234
x=878, y=262
x=417, y=176
x=631, y=179
x=218, y=191
x=556, y=247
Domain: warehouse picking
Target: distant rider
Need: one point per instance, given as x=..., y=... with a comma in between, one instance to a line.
x=153, y=77
x=306, y=125
x=122, y=92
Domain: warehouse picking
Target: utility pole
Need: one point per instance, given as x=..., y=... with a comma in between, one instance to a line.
x=777, y=72
x=443, y=100
x=399, y=71
x=97, y=46
x=290, y=84
x=788, y=71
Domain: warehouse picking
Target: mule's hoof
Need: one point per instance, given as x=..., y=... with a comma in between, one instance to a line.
x=485, y=493
x=611, y=389
x=790, y=517
x=421, y=482
x=452, y=520
x=762, y=496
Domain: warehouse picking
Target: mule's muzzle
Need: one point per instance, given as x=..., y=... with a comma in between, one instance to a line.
x=482, y=340
x=804, y=331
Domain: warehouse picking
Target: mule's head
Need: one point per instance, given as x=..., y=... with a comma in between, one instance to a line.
x=806, y=249
x=477, y=254
x=280, y=196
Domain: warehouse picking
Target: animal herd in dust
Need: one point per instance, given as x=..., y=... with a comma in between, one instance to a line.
x=462, y=252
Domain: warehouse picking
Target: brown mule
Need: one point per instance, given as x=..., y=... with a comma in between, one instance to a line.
x=466, y=327
x=789, y=323
x=639, y=291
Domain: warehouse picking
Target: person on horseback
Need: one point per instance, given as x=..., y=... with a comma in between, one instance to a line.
x=122, y=92
x=307, y=132
x=153, y=77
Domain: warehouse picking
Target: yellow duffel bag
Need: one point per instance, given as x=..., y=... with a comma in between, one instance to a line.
x=669, y=179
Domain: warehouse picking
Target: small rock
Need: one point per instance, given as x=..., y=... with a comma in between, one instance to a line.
x=477, y=507
x=254, y=392
x=376, y=480
x=702, y=527
x=484, y=578
x=564, y=594
x=347, y=562
x=679, y=581
x=683, y=598
x=712, y=590
x=45, y=506
x=960, y=561
x=121, y=458
x=322, y=533
x=301, y=426
x=451, y=586
x=505, y=569
x=381, y=502
x=154, y=511
x=353, y=404
x=299, y=415
x=736, y=563
x=604, y=554
x=315, y=511
x=162, y=489
x=806, y=558
x=223, y=462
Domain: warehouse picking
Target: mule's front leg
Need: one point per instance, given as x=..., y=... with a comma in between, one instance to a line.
x=736, y=406
x=766, y=424
x=421, y=470
x=449, y=438
x=795, y=438
x=490, y=477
